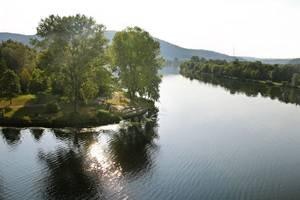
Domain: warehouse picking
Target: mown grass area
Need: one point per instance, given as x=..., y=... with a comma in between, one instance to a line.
x=32, y=110
x=25, y=105
x=17, y=101
x=118, y=98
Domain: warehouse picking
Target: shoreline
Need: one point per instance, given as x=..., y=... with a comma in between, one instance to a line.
x=71, y=122
x=268, y=83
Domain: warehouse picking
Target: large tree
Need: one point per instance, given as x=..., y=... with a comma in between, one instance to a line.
x=136, y=55
x=73, y=53
x=9, y=85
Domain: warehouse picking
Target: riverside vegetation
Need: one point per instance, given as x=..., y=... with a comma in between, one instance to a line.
x=278, y=75
x=72, y=76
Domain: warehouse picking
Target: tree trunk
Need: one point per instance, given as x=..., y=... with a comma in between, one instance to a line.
x=75, y=95
x=10, y=101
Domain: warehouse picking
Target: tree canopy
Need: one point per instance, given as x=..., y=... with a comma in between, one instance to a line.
x=10, y=85
x=73, y=54
x=70, y=62
x=242, y=70
x=19, y=58
x=136, y=55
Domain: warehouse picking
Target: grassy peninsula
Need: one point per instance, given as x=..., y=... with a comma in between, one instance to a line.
x=72, y=76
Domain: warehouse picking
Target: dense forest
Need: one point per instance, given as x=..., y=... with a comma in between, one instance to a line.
x=70, y=65
x=287, y=75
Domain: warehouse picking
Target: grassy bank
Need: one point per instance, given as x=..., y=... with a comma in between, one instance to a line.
x=49, y=111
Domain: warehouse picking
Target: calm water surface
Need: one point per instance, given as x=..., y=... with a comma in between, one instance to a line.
x=210, y=140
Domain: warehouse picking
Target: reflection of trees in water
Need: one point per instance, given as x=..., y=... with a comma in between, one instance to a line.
x=283, y=94
x=75, y=138
x=4, y=191
x=67, y=176
x=37, y=133
x=12, y=136
x=1, y=189
x=74, y=174
x=132, y=146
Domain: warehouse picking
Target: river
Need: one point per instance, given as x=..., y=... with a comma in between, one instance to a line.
x=209, y=140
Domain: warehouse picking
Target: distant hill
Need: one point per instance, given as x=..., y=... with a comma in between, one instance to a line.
x=168, y=51
x=25, y=39
x=295, y=61
x=267, y=60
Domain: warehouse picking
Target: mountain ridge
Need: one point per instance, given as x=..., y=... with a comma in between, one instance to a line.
x=169, y=51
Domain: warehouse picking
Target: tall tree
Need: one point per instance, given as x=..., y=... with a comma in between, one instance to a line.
x=9, y=85
x=73, y=52
x=136, y=54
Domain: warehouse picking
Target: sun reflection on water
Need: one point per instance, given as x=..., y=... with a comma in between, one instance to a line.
x=107, y=170
x=102, y=161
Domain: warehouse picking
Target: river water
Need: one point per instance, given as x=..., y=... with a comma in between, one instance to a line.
x=211, y=139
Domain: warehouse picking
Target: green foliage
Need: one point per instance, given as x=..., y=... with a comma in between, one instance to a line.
x=39, y=81
x=19, y=58
x=104, y=116
x=241, y=70
x=136, y=55
x=71, y=62
x=9, y=85
x=295, y=79
x=52, y=108
x=73, y=49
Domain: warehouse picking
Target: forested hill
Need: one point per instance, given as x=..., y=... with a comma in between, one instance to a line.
x=168, y=51
x=295, y=61
x=25, y=39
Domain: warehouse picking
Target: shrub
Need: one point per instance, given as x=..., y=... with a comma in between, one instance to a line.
x=106, y=117
x=26, y=119
x=52, y=107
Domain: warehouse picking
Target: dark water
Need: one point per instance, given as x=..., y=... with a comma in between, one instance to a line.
x=212, y=139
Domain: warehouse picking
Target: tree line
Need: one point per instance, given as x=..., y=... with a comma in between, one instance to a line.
x=258, y=71
x=71, y=58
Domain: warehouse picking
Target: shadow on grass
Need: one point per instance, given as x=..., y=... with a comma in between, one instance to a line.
x=35, y=113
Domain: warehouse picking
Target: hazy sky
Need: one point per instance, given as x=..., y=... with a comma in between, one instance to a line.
x=261, y=28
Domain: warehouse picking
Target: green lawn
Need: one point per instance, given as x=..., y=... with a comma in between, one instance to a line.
x=31, y=110
x=18, y=101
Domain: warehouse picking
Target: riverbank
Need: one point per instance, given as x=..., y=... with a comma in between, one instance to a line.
x=257, y=72
x=269, y=83
x=192, y=75
x=33, y=111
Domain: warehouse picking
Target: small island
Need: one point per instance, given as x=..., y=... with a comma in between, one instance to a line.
x=72, y=76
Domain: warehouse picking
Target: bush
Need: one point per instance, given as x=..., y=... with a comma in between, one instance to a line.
x=52, y=107
x=7, y=109
x=104, y=117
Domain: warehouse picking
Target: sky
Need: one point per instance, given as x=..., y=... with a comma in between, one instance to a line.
x=257, y=28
